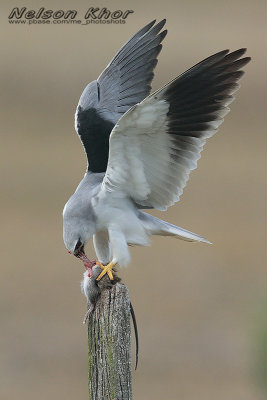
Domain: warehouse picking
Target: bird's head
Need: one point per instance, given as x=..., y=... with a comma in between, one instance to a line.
x=75, y=235
x=78, y=227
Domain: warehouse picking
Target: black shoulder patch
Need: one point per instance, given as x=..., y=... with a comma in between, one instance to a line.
x=94, y=132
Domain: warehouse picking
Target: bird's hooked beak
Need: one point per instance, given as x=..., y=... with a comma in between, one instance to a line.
x=79, y=249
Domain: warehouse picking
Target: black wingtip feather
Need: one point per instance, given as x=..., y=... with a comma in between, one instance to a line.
x=235, y=54
x=156, y=29
x=161, y=23
x=245, y=60
x=148, y=26
x=201, y=94
x=163, y=34
x=238, y=64
x=217, y=56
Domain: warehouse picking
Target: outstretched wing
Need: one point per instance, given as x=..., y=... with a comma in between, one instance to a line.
x=156, y=144
x=125, y=82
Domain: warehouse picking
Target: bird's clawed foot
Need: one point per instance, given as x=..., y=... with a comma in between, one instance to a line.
x=107, y=269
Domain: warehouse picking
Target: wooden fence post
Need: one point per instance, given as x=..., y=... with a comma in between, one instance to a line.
x=109, y=346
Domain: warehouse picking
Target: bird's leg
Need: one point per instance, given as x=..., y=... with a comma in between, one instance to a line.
x=107, y=269
x=119, y=246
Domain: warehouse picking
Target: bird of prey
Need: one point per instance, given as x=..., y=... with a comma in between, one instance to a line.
x=142, y=147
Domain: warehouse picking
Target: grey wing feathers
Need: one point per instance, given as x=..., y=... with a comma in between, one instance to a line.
x=126, y=80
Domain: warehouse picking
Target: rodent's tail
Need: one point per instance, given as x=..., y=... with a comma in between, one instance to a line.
x=136, y=335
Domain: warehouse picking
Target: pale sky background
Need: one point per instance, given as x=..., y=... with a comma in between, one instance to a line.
x=200, y=308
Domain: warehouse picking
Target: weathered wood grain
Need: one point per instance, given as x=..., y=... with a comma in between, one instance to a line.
x=109, y=346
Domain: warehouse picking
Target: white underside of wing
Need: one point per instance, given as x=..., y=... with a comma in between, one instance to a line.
x=146, y=162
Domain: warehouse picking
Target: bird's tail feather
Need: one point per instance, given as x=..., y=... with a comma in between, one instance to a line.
x=156, y=226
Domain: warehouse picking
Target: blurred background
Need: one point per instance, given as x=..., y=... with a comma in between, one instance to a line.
x=201, y=309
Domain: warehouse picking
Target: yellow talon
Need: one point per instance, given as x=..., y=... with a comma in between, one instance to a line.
x=107, y=269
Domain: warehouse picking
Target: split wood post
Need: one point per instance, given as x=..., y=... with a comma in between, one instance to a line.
x=109, y=346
